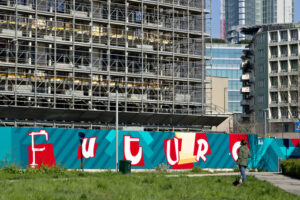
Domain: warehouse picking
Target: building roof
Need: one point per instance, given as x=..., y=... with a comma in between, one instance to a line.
x=30, y=113
x=252, y=30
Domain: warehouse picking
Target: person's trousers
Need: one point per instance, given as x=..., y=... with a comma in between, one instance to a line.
x=243, y=172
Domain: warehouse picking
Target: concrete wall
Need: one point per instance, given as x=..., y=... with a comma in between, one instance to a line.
x=218, y=87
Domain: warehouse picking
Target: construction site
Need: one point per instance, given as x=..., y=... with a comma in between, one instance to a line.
x=61, y=60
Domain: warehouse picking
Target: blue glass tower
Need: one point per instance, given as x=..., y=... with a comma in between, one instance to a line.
x=225, y=62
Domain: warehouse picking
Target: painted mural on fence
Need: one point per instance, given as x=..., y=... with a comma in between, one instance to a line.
x=68, y=147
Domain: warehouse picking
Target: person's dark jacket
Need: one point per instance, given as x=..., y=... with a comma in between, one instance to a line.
x=243, y=156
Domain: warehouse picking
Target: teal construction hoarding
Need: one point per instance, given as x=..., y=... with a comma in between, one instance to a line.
x=34, y=147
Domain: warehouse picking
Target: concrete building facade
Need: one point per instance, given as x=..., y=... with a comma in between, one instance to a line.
x=271, y=93
x=64, y=60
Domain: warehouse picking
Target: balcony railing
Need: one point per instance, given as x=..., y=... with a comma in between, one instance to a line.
x=245, y=115
x=284, y=86
x=274, y=56
x=245, y=102
x=274, y=71
x=294, y=38
x=294, y=86
x=245, y=89
x=294, y=69
x=283, y=40
x=294, y=102
x=245, y=77
x=294, y=54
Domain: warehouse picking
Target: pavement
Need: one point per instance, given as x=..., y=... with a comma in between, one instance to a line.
x=286, y=183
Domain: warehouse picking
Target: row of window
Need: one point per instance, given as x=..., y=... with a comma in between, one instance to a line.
x=230, y=73
x=233, y=63
x=234, y=107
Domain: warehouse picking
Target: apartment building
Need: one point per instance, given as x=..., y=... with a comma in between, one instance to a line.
x=272, y=65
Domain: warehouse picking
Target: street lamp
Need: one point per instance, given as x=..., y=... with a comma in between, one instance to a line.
x=265, y=114
x=117, y=124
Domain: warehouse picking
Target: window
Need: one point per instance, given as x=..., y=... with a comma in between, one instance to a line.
x=261, y=84
x=261, y=114
x=260, y=68
x=260, y=99
x=285, y=128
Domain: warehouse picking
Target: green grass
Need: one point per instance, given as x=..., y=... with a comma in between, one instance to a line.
x=61, y=184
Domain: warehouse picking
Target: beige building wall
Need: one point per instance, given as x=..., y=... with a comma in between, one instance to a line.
x=217, y=96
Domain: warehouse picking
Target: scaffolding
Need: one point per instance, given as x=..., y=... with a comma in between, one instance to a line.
x=70, y=54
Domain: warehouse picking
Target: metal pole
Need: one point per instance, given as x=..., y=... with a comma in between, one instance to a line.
x=282, y=129
x=117, y=124
x=265, y=123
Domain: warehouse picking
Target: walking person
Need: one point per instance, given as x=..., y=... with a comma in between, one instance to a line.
x=242, y=160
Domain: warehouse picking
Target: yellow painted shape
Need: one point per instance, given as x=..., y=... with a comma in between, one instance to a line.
x=187, y=148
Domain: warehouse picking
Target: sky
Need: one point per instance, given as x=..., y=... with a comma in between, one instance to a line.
x=216, y=16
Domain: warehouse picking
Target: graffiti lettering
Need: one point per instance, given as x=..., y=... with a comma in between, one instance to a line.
x=40, y=154
x=175, y=153
x=132, y=150
x=201, y=147
x=87, y=150
x=235, y=149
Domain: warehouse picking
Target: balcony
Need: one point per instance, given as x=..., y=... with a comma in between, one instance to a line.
x=294, y=71
x=274, y=118
x=284, y=103
x=274, y=56
x=245, y=102
x=274, y=103
x=284, y=87
x=245, y=77
x=294, y=55
x=273, y=40
x=245, y=115
x=294, y=102
x=274, y=88
x=283, y=40
x=294, y=87
x=245, y=89
x=294, y=38
x=274, y=72
x=246, y=65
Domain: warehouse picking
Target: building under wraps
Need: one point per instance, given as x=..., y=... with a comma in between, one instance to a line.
x=60, y=61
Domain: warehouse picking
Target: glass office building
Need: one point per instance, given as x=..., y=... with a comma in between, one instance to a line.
x=225, y=62
x=254, y=12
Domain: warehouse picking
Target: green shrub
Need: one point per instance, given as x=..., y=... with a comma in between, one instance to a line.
x=197, y=170
x=12, y=169
x=45, y=170
x=291, y=167
x=162, y=167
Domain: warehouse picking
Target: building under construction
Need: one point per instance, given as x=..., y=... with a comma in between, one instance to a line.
x=60, y=61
